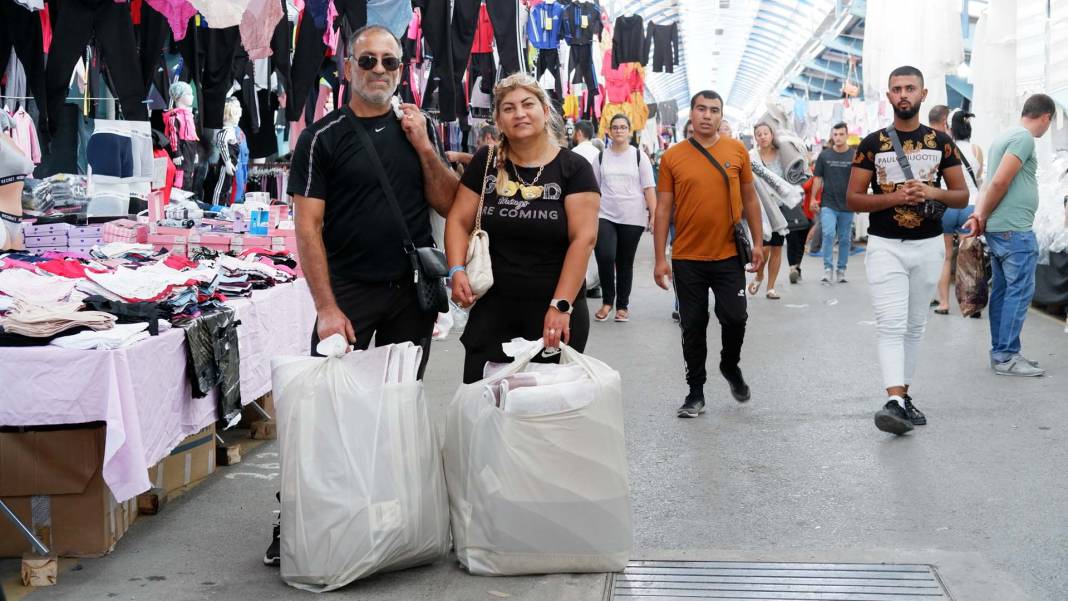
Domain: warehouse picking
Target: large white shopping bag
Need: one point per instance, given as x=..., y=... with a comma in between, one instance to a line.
x=363, y=488
x=541, y=493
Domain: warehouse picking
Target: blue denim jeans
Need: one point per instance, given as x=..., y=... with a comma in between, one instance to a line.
x=834, y=223
x=1013, y=257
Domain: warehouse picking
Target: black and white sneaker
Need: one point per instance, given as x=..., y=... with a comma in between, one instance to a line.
x=915, y=415
x=273, y=555
x=694, y=404
x=739, y=389
x=892, y=418
x=675, y=316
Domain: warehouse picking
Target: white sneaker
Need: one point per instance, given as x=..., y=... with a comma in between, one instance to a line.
x=841, y=276
x=827, y=276
x=1017, y=366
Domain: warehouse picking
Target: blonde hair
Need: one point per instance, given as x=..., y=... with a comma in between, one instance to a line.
x=554, y=125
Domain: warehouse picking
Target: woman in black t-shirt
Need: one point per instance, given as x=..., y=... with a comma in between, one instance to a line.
x=540, y=211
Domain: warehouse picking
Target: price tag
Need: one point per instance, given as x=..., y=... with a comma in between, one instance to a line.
x=548, y=22
x=585, y=21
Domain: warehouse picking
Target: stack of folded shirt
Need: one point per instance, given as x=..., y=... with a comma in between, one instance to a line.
x=43, y=321
x=120, y=336
x=33, y=288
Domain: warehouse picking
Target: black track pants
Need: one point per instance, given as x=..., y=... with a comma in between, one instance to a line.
x=21, y=28
x=726, y=279
x=74, y=25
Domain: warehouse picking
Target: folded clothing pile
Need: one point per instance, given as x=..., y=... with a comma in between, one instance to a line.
x=42, y=321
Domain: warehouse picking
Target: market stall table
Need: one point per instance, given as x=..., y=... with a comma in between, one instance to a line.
x=142, y=392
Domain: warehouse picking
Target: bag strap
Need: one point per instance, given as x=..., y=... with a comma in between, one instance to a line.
x=902, y=160
x=722, y=171
x=968, y=166
x=383, y=179
x=482, y=193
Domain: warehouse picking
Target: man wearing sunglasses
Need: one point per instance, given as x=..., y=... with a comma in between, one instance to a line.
x=350, y=242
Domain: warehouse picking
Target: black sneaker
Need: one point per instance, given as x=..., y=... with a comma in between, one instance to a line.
x=675, y=316
x=892, y=418
x=694, y=405
x=795, y=275
x=739, y=389
x=915, y=415
x=273, y=556
x=594, y=292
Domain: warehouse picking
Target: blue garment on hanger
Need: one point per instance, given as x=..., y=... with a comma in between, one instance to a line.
x=241, y=171
x=394, y=15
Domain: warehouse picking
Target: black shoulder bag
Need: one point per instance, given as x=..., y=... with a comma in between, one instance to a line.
x=932, y=209
x=741, y=241
x=429, y=266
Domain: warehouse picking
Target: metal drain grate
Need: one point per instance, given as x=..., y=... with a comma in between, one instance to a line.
x=742, y=581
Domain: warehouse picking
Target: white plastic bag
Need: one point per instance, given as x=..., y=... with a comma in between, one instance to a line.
x=546, y=493
x=363, y=488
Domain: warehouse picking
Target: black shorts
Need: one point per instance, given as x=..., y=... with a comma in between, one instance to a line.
x=776, y=240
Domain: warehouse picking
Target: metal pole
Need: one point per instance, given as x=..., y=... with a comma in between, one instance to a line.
x=38, y=546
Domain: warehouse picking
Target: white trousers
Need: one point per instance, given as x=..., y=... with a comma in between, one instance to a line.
x=903, y=276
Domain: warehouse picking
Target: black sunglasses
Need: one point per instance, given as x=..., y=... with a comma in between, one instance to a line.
x=368, y=62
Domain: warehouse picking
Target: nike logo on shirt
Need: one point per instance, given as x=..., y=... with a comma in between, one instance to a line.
x=380, y=129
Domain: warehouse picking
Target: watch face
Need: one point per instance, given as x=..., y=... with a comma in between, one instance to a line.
x=563, y=306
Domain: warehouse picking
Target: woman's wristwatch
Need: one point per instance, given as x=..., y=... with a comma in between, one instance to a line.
x=562, y=305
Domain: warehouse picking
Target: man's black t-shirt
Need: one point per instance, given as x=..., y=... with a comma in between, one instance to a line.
x=529, y=238
x=930, y=153
x=834, y=167
x=363, y=240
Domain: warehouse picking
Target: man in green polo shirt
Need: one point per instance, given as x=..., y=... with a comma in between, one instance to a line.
x=1006, y=212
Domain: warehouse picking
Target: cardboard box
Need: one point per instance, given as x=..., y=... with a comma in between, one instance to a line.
x=52, y=479
x=189, y=462
x=49, y=229
x=88, y=241
x=86, y=231
x=125, y=230
x=39, y=241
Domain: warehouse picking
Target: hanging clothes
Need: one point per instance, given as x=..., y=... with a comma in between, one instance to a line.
x=628, y=41
x=76, y=22
x=24, y=133
x=21, y=31
x=180, y=129
x=221, y=14
x=664, y=41
x=177, y=13
x=209, y=54
x=258, y=25
x=582, y=21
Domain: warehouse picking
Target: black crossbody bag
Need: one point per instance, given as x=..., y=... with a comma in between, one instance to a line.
x=932, y=209
x=429, y=266
x=741, y=241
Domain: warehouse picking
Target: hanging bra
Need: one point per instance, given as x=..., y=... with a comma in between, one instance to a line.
x=14, y=166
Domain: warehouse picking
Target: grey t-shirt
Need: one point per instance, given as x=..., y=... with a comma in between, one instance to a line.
x=834, y=168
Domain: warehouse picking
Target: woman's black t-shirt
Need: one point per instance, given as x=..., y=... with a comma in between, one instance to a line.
x=529, y=238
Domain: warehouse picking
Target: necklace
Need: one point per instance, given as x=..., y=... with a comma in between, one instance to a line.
x=529, y=191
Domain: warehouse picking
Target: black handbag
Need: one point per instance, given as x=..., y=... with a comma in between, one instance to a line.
x=429, y=266
x=932, y=210
x=741, y=241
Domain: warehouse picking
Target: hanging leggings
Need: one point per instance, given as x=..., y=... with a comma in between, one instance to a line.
x=549, y=60
x=21, y=28
x=436, y=31
x=307, y=62
x=581, y=64
x=211, y=52
x=153, y=34
x=503, y=14
x=75, y=23
x=616, y=246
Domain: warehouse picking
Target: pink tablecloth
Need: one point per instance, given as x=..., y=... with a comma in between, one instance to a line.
x=142, y=392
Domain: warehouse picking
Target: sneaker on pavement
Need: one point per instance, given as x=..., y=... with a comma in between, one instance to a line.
x=675, y=316
x=795, y=275
x=827, y=276
x=273, y=556
x=1030, y=362
x=915, y=415
x=693, y=406
x=594, y=292
x=893, y=419
x=1018, y=366
x=739, y=389
x=842, y=277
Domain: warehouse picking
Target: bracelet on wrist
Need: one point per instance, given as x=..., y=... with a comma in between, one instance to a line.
x=454, y=270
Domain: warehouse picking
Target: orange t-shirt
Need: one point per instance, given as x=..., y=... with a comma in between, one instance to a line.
x=703, y=224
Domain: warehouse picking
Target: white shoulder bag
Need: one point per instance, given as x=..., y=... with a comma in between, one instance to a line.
x=479, y=268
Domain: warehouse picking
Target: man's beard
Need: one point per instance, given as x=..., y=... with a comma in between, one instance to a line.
x=906, y=114
x=376, y=97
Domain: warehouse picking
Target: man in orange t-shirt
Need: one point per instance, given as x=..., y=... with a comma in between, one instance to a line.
x=695, y=195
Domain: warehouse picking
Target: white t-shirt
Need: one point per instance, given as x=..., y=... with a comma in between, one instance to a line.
x=623, y=178
x=588, y=151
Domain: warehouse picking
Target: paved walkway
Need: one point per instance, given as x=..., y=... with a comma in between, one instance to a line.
x=799, y=473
